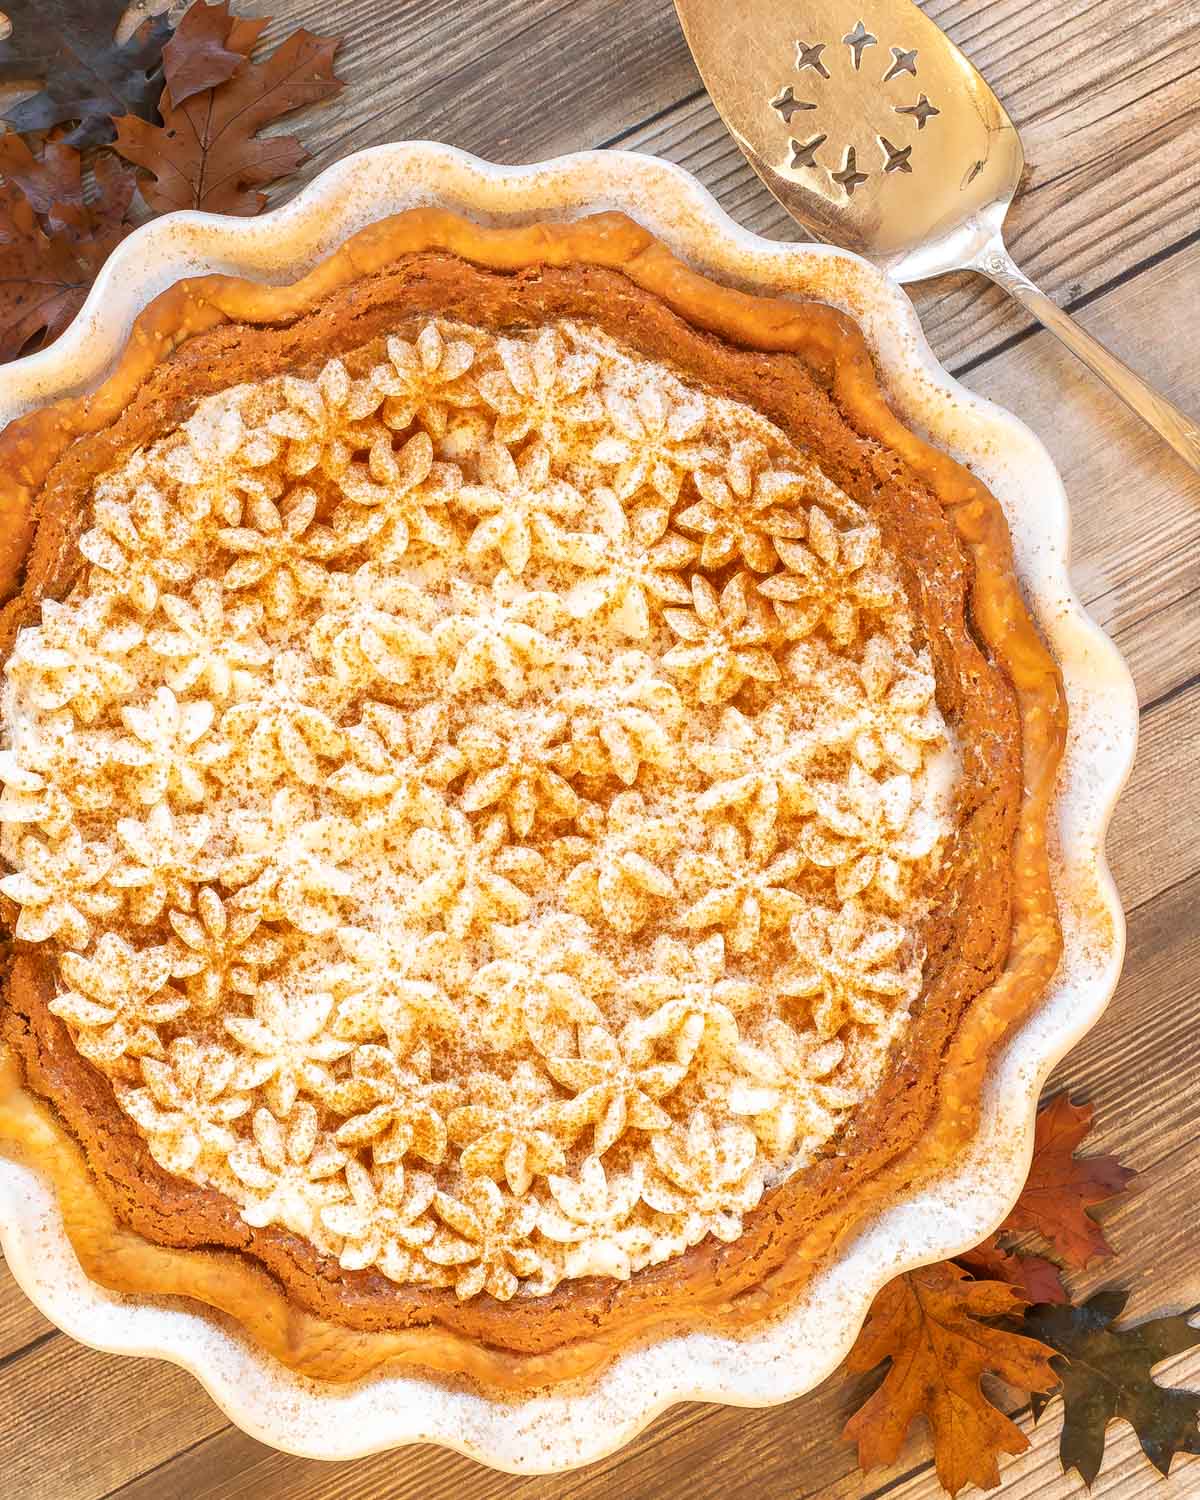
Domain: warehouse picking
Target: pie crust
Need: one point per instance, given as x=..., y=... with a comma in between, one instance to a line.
x=991, y=949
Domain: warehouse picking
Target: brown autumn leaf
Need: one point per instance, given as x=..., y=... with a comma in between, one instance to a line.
x=208, y=154
x=98, y=227
x=51, y=174
x=207, y=48
x=1061, y=1187
x=70, y=47
x=928, y=1323
x=44, y=278
x=41, y=282
x=1035, y=1277
x=1106, y=1374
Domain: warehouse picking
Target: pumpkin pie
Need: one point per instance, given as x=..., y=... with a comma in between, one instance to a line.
x=525, y=791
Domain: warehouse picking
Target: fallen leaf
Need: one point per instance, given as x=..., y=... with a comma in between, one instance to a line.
x=41, y=281
x=1106, y=1373
x=100, y=225
x=207, y=48
x=1062, y=1187
x=208, y=154
x=1035, y=1277
x=49, y=176
x=44, y=279
x=69, y=47
x=928, y=1323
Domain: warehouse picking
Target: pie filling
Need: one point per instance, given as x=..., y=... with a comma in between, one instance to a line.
x=483, y=813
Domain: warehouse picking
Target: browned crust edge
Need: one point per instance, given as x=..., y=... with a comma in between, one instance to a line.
x=830, y=343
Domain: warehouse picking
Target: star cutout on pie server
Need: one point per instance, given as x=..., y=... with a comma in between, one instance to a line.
x=804, y=153
x=921, y=111
x=787, y=104
x=849, y=177
x=858, y=41
x=902, y=62
x=810, y=57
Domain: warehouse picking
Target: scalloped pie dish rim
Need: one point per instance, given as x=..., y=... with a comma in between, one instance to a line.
x=577, y=1419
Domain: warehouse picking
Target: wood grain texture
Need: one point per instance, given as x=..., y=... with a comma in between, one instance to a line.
x=99, y=1419
x=1135, y=509
x=20, y=1322
x=1106, y=96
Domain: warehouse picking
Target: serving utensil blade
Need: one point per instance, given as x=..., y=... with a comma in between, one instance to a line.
x=870, y=128
x=877, y=134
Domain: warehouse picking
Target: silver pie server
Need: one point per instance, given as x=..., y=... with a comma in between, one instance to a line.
x=876, y=134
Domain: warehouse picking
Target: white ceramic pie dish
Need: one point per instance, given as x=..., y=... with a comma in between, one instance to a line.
x=570, y=1425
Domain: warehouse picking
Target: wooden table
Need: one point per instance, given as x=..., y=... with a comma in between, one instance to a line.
x=1107, y=96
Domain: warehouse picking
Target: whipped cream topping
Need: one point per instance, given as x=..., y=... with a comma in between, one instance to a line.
x=480, y=810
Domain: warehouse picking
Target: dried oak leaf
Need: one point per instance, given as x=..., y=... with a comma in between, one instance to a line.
x=45, y=278
x=1035, y=1277
x=1106, y=1373
x=1061, y=1187
x=928, y=1323
x=87, y=76
x=51, y=174
x=98, y=227
x=207, y=153
x=207, y=48
x=41, y=284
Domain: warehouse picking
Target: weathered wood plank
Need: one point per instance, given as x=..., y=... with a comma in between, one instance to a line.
x=513, y=80
x=1144, y=1109
x=693, y=1440
x=77, y=1423
x=1135, y=507
x=1152, y=838
x=20, y=1321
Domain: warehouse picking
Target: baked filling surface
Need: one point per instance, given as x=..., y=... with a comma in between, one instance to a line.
x=510, y=798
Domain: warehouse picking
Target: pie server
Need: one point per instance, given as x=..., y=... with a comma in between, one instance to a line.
x=878, y=135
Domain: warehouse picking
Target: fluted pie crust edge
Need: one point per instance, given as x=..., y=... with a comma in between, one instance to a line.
x=338, y=1325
